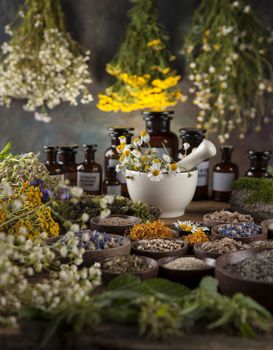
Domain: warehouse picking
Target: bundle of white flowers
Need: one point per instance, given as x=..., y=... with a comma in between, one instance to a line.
x=140, y=156
x=230, y=67
x=41, y=62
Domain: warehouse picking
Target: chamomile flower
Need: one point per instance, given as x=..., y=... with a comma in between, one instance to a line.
x=122, y=139
x=145, y=137
x=155, y=174
x=184, y=225
x=174, y=169
x=137, y=142
x=156, y=163
x=136, y=153
x=166, y=158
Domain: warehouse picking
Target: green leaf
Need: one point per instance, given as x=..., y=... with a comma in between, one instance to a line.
x=171, y=289
x=5, y=151
x=210, y=284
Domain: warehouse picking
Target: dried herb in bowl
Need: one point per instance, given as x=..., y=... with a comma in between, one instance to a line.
x=222, y=246
x=186, y=263
x=150, y=230
x=126, y=264
x=159, y=245
x=244, y=230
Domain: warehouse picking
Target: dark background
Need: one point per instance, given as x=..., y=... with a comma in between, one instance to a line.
x=99, y=25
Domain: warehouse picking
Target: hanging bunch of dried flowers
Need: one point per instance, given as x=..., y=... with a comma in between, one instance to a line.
x=41, y=62
x=141, y=67
x=230, y=67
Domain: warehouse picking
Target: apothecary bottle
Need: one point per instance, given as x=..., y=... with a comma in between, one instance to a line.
x=89, y=175
x=53, y=167
x=111, y=156
x=258, y=163
x=158, y=125
x=67, y=158
x=192, y=138
x=224, y=173
x=112, y=185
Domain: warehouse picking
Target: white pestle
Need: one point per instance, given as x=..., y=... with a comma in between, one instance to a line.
x=205, y=150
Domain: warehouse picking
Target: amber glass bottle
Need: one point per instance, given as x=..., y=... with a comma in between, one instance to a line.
x=111, y=156
x=51, y=163
x=158, y=125
x=67, y=158
x=89, y=176
x=112, y=185
x=224, y=173
x=194, y=137
x=258, y=163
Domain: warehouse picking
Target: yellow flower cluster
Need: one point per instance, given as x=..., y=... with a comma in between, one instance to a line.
x=34, y=218
x=140, y=92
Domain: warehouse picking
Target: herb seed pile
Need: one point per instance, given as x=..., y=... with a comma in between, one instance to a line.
x=226, y=216
x=116, y=221
x=186, y=263
x=94, y=240
x=126, y=264
x=257, y=268
x=225, y=245
x=245, y=230
x=159, y=245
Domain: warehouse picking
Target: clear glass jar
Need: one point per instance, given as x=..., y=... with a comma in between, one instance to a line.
x=224, y=173
x=158, y=125
x=194, y=137
x=89, y=176
x=111, y=156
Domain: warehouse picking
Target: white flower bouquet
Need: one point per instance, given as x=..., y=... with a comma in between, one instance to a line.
x=41, y=62
x=140, y=156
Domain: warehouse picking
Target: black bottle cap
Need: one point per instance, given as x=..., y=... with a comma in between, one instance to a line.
x=147, y=115
x=51, y=148
x=120, y=129
x=91, y=147
x=192, y=131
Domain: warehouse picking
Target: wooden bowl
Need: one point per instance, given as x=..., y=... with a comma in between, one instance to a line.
x=190, y=278
x=158, y=255
x=215, y=235
x=107, y=276
x=265, y=228
x=92, y=256
x=117, y=230
x=230, y=284
x=202, y=254
x=211, y=223
x=263, y=241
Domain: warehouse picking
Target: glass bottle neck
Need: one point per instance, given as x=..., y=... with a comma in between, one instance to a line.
x=89, y=157
x=226, y=153
x=51, y=157
x=259, y=163
x=158, y=124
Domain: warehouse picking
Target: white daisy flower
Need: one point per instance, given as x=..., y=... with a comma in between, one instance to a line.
x=136, y=153
x=156, y=163
x=145, y=137
x=155, y=174
x=122, y=139
x=186, y=146
x=137, y=142
x=167, y=158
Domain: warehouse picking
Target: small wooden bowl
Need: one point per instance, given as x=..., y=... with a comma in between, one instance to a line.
x=107, y=276
x=215, y=235
x=118, y=229
x=265, y=228
x=230, y=284
x=202, y=254
x=263, y=241
x=211, y=223
x=92, y=256
x=190, y=278
x=158, y=255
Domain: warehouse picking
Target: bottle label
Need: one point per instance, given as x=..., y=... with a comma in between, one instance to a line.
x=89, y=181
x=222, y=181
x=120, y=176
x=114, y=190
x=203, y=173
x=161, y=151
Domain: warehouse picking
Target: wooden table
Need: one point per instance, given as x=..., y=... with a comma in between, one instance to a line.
x=115, y=337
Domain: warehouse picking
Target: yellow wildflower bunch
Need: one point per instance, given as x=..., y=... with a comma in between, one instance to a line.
x=144, y=78
x=24, y=213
